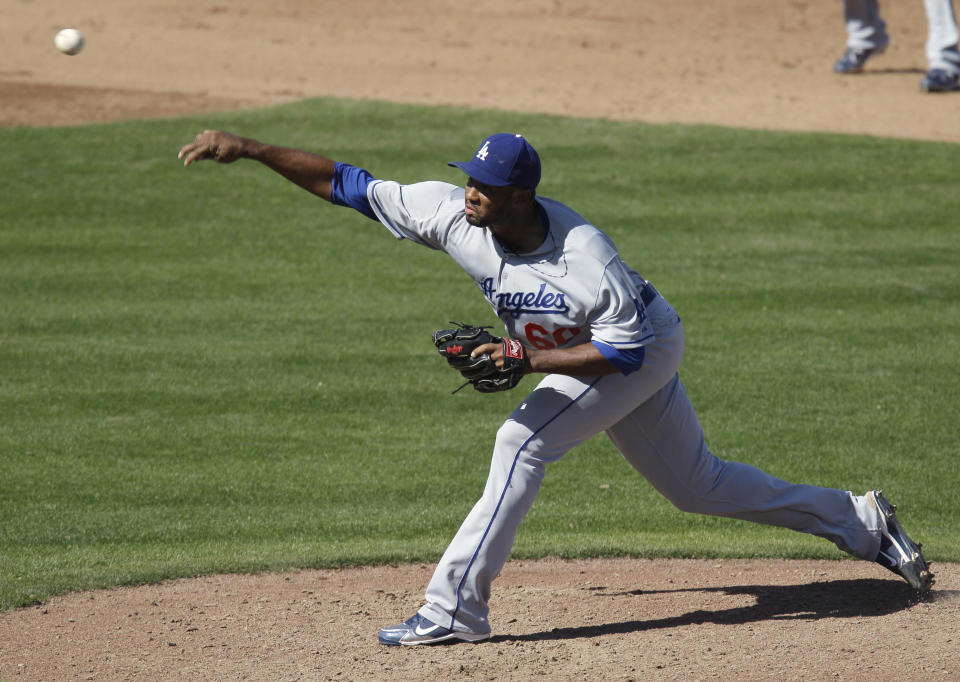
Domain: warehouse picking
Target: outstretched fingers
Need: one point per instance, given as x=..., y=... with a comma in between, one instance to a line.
x=197, y=150
x=211, y=144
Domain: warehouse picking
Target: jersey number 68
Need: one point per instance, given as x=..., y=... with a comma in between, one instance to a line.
x=543, y=339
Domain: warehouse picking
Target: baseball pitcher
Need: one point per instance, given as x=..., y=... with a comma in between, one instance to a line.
x=606, y=346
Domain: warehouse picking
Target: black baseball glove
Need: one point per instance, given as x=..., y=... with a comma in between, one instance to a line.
x=457, y=344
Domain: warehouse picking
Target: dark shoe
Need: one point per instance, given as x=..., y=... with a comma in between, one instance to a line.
x=938, y=80
x=853, y=59
x=898, y=552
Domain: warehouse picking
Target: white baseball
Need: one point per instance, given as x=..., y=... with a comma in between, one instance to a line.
x=69, y=41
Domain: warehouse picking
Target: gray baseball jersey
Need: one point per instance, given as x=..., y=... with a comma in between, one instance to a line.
x=573, y=289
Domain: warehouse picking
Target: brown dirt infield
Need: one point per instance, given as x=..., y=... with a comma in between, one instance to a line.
x=739, y=62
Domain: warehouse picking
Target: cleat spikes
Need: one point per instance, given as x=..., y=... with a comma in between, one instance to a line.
x=898, y=552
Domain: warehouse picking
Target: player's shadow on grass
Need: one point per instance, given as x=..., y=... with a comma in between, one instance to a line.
x=814, y=601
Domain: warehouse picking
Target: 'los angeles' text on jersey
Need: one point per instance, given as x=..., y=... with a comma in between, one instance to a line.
x=516, y=303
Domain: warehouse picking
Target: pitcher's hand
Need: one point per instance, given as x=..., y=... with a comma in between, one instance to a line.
x=213, y=144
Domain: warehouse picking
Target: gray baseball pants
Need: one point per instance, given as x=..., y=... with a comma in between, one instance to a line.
x=650, y=420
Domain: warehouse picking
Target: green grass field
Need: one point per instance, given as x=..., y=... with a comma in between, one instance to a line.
x=209, y=370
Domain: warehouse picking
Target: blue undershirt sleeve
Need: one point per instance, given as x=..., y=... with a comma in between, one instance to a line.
x=627, y=360
x=349, y=188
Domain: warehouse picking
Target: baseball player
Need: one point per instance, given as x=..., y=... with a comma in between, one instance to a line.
x=867, y=36
x=609, y=346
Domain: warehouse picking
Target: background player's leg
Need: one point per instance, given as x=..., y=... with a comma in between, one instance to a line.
x=663, y=440
x=865, y=28
x=866, y=35
x=942, y=36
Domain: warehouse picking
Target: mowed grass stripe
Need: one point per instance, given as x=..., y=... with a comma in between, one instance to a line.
x=209, y=370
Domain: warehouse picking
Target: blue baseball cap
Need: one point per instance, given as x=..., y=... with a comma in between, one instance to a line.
x=504, y=159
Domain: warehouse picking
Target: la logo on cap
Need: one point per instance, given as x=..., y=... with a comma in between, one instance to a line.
x=504, y=159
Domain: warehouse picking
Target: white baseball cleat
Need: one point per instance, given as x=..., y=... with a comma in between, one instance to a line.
x=898, y=552
x=419, y=630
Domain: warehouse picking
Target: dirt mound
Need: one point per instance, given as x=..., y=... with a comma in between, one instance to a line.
x=612, y=619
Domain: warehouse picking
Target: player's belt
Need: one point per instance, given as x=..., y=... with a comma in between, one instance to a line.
x=648, y=293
